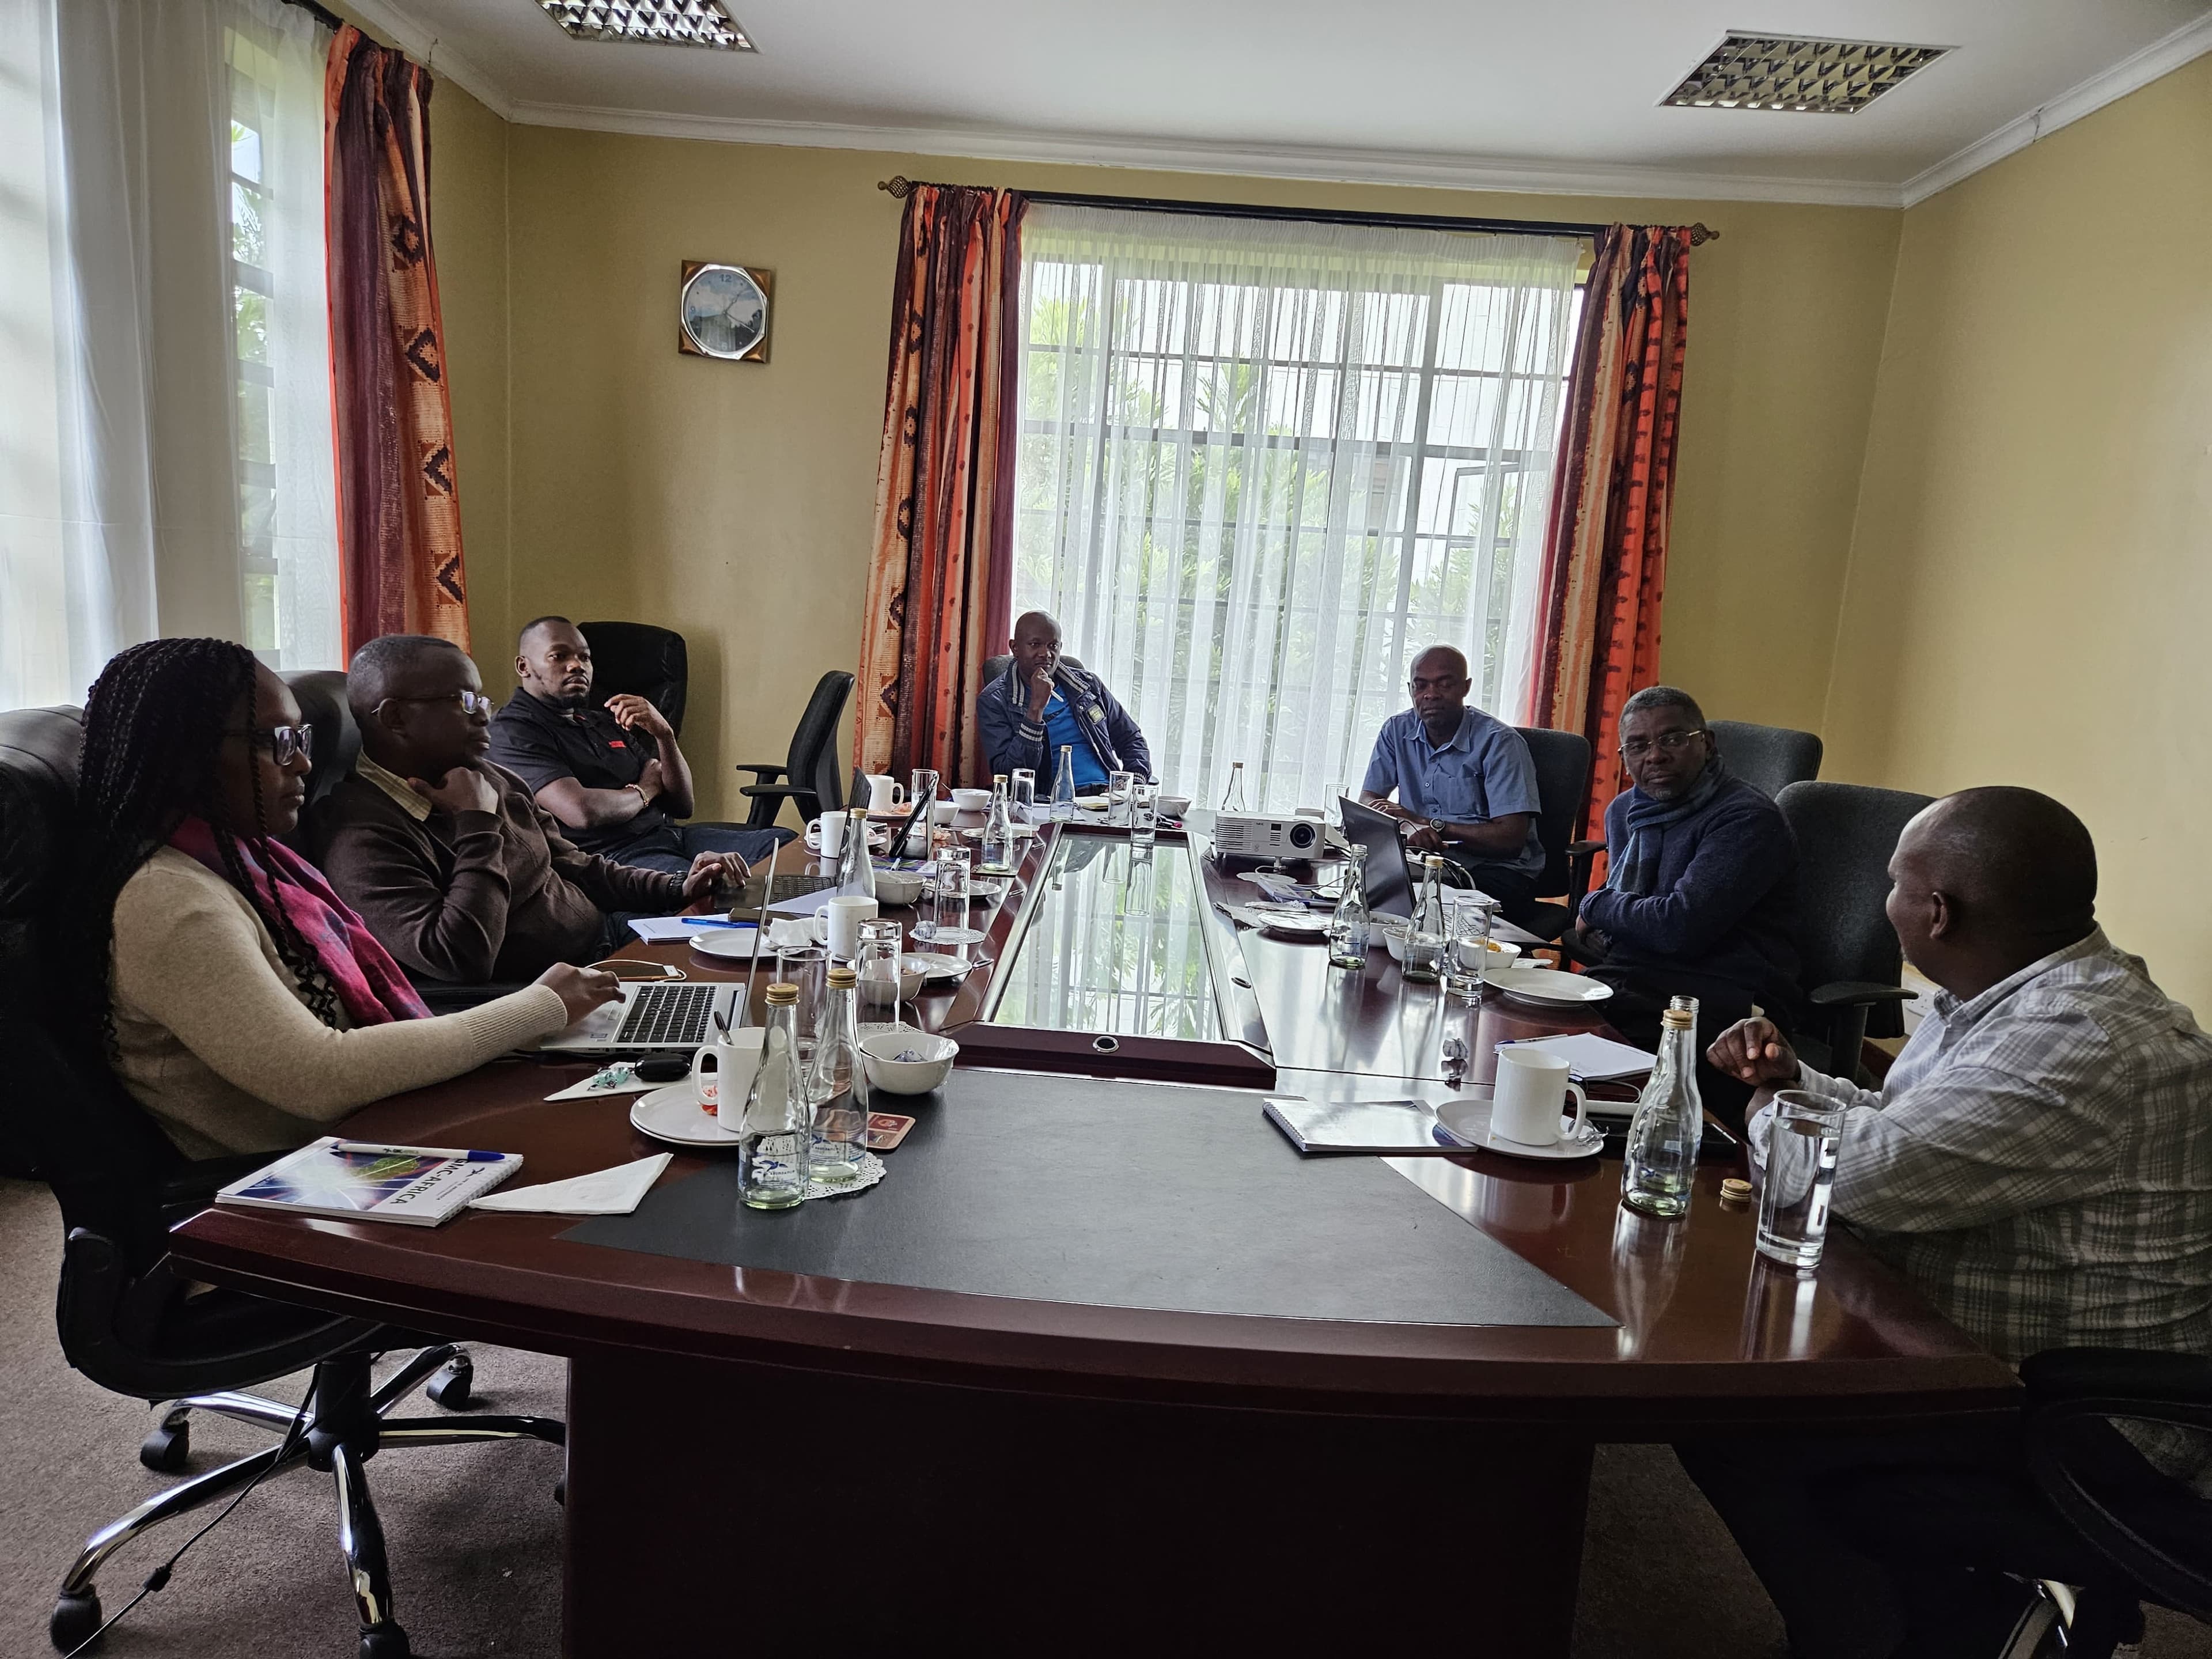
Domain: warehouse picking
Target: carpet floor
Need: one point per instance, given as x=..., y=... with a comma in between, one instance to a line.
x=474, y=1534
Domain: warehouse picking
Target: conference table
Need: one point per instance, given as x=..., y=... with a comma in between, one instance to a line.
x=1104, y=1360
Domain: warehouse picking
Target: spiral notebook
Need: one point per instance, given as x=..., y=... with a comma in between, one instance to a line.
x=418, y=1186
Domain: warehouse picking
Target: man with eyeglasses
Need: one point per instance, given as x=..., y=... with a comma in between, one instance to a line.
x=1465, y=782
x=1700, y=894
x=456, y=870
x=611, y=771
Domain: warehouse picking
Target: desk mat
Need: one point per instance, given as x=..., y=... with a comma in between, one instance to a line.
x=1116, y=1195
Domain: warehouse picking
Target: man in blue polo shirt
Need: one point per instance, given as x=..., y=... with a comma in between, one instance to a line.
x=1465, y=784
x=1043, y=703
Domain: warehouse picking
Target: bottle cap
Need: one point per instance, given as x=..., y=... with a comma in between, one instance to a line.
x=782, y=996
x=1679, y=1019
x=1736, y=1188
x=843, y=979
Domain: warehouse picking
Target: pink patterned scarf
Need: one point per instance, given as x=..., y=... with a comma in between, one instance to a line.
x=367, y=981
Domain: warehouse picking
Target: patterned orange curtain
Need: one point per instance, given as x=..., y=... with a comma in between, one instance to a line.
x=1605, y=548
x=399, y=510
x=939, y=588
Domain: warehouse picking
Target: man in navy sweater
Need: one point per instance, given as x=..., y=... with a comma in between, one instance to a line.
x=1044, y=703
x=1700, y=896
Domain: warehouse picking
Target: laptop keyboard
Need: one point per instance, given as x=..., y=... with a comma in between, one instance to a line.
x=791, y=887
x=668, y=1016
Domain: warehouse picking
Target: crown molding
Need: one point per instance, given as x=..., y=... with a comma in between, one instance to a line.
x=1365, y=166
x=2161, y=58
x=399, y=27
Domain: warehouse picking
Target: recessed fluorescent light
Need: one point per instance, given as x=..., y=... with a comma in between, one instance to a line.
x=1807, y=77
x=663, y=22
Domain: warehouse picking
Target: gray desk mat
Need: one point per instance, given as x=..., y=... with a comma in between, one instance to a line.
x=1116, y=1195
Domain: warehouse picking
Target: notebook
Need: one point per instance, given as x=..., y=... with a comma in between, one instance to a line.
x=1591, y=1058
x=419, y=1186
x=1354, y=1126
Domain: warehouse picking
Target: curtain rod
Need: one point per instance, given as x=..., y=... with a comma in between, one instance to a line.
x=1700, y=235
x=330, y=20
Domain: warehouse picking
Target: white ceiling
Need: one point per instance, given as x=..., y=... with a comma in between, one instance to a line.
x=1530, y=95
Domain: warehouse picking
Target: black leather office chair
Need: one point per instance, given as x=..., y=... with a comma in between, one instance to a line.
x=1852, y=960
x=322, y=696
x=643, y=660
x=1563, y=786
x=1769, y=758
x=811, y=770
x=122, y=1314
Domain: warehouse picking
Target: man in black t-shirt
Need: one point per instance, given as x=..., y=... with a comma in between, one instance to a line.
x=611, y=773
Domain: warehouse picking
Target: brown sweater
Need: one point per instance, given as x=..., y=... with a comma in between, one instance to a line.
x=475, y=896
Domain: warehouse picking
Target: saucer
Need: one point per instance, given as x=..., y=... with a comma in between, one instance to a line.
x=1548, y=987
x=1467, y=1123
x=672, y=1114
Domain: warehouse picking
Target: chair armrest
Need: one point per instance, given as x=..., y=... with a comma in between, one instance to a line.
x=1571, y=949
x=770, y=791
x=2064, y=1375
x=1581, y=856
x=1851, y=993
x=1584, y=849
x=762, y=770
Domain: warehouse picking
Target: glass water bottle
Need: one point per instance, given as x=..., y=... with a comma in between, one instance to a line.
x=1347, y=928
x=1063, y=785
x=837, y=1084
x=999, y=830
x=1232, y=798
x=772, y=1142
x=1660, y=1166
x=1426, y=938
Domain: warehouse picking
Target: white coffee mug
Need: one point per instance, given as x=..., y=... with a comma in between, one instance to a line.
x=884, y=793
x=837, y=923
x=1525, y=1105
x=826, y=835
x=722, y=1075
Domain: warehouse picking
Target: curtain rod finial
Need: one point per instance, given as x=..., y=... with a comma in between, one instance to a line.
x=1701, y=233
x=896, y=187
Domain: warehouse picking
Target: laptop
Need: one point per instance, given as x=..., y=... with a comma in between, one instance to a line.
x=1390, y=884
x=654, y=1015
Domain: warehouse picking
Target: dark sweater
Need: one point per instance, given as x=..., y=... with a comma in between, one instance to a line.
x=471, y=898
x=1725, y=903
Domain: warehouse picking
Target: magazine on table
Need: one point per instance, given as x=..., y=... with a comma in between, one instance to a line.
x=358, y=1180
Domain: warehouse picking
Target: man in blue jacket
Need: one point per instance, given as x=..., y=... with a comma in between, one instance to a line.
x=1044, y=702
x=1700, y=896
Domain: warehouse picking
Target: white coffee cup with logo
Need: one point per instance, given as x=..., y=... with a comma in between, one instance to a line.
x=1529, y=1097
x=837, y=924
x=826, y=835
x=884, y=793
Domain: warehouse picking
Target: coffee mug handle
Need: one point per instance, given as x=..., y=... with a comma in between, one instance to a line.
x=1582, y=1111
x=817, y=927
x=898, y=794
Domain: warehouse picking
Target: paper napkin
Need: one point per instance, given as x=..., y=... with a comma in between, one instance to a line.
x=606, y=1192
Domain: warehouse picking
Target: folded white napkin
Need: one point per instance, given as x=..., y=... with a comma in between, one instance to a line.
x=605, y=1192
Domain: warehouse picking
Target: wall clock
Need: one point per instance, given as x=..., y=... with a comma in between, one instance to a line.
x=722, y=311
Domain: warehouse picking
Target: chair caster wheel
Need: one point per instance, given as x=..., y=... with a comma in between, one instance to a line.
x=75, y=1618
x=450, y=1386
x=385, y=1641
x=169, y=1447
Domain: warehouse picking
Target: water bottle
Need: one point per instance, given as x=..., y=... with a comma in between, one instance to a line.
x=998, y=830
x=1427, y=938
x=773, y=1142
x=1063, y=786
x=856, y=867
x=837, y=1086
x=1347, y=928
x=1232, y=799
x=1660, y=1166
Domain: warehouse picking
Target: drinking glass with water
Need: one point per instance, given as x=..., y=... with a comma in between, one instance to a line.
x=1143, y=813
x=1803, y=1138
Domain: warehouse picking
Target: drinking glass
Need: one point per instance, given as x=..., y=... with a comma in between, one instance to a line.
x=1021, y=792
x=948, y=893
x=1117, y=799
x=1467, y=924
x=924, y=785
x=878, y=962
x=1143, y=813
x=804, y=966
x=1803, y=1138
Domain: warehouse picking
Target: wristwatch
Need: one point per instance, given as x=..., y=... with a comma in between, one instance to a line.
x=1440, y=825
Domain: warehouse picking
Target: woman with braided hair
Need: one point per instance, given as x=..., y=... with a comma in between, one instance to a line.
x=242, y=1001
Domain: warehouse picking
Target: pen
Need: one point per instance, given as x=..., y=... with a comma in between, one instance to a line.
x=717, y=922
x=362, y=1147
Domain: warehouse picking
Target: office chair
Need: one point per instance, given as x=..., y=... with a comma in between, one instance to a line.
x=643, y=660
x=322, y=697
x=122, y=1313
x=1563, y=786
x=810, y=770
x=1851, y=962
x=1769, y=758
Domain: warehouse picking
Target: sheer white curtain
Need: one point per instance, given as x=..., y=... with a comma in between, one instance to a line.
x=1263, y=462
x=165, y=447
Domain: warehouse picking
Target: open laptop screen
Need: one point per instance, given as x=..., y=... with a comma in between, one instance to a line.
x=1389, y=889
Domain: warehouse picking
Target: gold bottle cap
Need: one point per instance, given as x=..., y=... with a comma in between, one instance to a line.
x=782, y=996
x=843, y=979
x=1679, y=1019
x=1736, y=1188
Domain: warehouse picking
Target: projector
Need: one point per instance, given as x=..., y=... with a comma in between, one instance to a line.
x=1256, y=835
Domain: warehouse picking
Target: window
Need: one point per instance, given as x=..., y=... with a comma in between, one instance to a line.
x=1262, y=462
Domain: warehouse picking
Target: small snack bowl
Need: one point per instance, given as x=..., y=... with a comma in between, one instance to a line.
x=898, y=887
x=1173, y=806
x=971, y=800
x=881, y=1052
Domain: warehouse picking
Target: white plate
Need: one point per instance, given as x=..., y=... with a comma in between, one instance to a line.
x=1020, y=829
x=936, y=970
x=1468, y=1122
x=672, y=1114
x=736, y=942
x=951, y=936
x=1548, y=986
x=1090, y=803
x=1312, y=924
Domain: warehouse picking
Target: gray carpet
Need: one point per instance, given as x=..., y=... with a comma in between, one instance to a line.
x=474, y=1534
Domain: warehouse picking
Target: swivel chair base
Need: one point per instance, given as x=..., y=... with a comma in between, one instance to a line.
x=348, y=1423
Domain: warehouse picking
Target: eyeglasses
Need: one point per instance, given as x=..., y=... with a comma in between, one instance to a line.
x=282, y=742
x=471, y=702
x=1673, y=742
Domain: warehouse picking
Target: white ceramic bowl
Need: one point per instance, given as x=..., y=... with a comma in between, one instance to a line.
x=1173, y=806
x=971, y=800
x=898, y=887
x=879, y=1052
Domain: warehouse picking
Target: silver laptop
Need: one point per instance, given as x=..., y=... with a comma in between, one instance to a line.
x=652, y=1015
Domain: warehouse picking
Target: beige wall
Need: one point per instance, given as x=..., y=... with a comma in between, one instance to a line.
x=736, y=501
x=2032, y=575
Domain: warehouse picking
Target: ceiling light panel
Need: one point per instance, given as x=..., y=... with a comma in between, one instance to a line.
x=1808, y=77
x=660, y=22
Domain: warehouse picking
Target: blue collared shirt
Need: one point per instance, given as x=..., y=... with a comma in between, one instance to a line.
x=1062, y=732
x=1485, y=772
